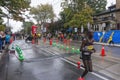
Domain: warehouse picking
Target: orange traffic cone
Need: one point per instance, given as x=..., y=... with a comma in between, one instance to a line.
x=78, y=63
x=50, y=42
x=68, y=42
x=57, y=41
x=103, y=51
x=33, y=41
x=44, y=40
x=11, y=40
x=81, y=78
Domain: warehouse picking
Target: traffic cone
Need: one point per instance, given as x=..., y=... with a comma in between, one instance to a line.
x=58, y=46
x=38, y=42
x=33, y=41
x=50, y=41
x=78, y=51
x=81, y=78
x=78, y=63
x=57, y=41
x=103, y=51
x=44, y=40
x=67, y=48
x=68, y=42
x=21, y=57
x=73, y=50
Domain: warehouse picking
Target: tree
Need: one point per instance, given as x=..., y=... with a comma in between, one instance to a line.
x=27, y=27
x=66, y=15
x=43, y=13
x=2, y=27
x=79, y=12
x=81, y=18
x=73, y=7
x=1, y=20
x=14, y=8
x=97, y=5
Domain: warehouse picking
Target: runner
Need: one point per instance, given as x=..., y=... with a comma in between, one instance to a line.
x=87, y=49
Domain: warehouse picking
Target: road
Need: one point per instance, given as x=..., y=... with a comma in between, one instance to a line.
x=42, y=63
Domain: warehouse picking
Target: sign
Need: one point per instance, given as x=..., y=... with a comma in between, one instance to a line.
x=75, y=29
x=82, y=29
x=34, y=29
x=44, y=30
x=98, y=34
x=88, y=25
x=103, y=25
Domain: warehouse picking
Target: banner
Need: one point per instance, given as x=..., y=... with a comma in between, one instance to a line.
x=34, y=29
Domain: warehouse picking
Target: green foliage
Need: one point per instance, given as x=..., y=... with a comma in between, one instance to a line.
x=97, y=5
x=1, y=20
x=15, y=8
x=78, y=5
x=81, y=18
x=66, y=16
x=75, y=14
x=42, y=13
x=27, y=27
x=2, y=28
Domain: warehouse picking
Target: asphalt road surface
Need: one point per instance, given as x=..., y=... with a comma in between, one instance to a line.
x=42, y=63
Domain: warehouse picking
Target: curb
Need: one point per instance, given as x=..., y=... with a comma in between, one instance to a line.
x=1, y=54
x=106, y=44
x=107, y=57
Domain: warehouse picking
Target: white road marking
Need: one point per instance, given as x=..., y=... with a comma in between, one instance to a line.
x=47, y=51
x=104, y=78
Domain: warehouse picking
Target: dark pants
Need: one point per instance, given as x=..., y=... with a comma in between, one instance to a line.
x=87, y=64
x=0, y=46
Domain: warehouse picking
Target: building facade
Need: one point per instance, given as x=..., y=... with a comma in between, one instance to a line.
x=109, y=19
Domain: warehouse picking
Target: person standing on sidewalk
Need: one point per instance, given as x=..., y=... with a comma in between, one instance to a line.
x=3, y=39
x=7, y=39
x=0, y=43
x=86, y=50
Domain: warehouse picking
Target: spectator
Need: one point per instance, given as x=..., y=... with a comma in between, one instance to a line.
x=0, y=43
x=3, y=39
x=7, y=38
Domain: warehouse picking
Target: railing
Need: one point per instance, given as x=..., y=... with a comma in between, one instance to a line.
x=105, y=18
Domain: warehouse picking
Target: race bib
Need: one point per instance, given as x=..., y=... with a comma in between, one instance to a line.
x=90, y=47
x=86, y=53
